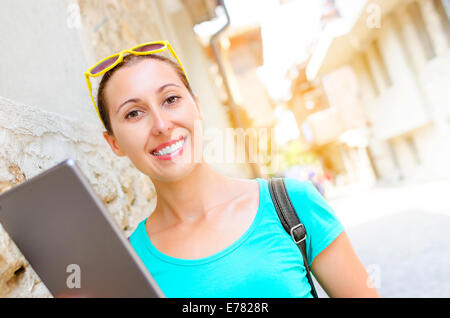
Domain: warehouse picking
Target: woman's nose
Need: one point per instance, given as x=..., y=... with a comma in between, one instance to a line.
x=161, y=124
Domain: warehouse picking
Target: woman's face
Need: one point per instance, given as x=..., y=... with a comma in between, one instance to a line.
x=149, y=106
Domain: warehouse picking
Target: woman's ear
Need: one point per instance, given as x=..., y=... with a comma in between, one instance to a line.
x=112, y=141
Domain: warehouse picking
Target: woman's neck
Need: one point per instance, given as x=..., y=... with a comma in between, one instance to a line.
x=190, y=199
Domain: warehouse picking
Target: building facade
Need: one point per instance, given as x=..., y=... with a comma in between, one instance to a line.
x=399, y=53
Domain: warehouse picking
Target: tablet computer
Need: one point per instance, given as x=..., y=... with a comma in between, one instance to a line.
x=66, y=233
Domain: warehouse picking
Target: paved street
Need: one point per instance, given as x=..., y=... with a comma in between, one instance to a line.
x=401, y=234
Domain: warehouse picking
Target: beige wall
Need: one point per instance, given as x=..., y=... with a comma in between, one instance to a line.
x=402, y=96
x=341, y=88
x=252, y=95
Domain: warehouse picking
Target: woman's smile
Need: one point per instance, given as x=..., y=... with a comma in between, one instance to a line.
x=169, y=150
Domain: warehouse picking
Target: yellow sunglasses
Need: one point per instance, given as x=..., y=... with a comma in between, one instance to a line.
x=110, y=62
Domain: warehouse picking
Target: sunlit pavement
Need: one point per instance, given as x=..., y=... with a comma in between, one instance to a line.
x=402, y=235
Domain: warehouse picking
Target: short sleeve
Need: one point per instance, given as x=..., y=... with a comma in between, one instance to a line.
x=320, y=221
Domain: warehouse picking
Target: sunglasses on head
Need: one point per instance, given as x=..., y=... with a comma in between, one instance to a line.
x=110, y=62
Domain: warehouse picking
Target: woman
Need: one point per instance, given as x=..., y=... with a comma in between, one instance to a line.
x=211, y=235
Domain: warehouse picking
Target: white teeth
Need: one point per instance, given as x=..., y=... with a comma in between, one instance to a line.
x=170, y=149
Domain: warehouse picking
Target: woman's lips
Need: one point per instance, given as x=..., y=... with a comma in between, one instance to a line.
x=165, y=144
x=170, y=156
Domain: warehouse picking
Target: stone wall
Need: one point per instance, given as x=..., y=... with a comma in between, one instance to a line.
x=33, y=140
x=112, y=25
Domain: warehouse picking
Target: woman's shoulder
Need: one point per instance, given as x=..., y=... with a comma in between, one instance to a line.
x=243, y=189
x=300, y=187
x=303, y=188
x=303, y=194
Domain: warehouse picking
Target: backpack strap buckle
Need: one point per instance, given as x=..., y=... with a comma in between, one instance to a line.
x=300, y=235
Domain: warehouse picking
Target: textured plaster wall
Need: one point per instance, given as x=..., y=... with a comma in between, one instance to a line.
x=42, y=58
x=33, y=140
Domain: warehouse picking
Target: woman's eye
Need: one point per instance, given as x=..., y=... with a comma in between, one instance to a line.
x=171, y=100
x=131, y=113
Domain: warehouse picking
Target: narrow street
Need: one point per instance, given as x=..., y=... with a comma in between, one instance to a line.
x=401, y=234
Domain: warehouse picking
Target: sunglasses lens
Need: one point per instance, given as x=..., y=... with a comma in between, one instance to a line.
x=149, y=47
x=104, y=65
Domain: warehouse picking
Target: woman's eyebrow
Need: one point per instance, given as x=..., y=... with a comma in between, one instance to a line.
x=127, y=101
x=159, y=90
x=166, y=85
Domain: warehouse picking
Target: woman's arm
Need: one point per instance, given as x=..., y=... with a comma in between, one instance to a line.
x=340, y=272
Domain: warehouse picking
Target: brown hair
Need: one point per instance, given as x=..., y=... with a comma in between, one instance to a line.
x=128, y=61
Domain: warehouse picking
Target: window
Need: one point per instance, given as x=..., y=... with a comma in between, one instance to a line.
x=368, y=70
x=380, y=62
x=408, y=51
x=415, y=13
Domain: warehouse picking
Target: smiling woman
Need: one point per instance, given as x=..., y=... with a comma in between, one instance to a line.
x=149, y=111
x=211, y=235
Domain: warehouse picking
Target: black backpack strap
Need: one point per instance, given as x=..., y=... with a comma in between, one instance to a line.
x=290, y=221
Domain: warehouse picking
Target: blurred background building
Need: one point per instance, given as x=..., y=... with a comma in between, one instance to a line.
x=396, y=55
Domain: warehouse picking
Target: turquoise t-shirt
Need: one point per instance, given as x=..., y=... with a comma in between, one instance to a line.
x=263, y=263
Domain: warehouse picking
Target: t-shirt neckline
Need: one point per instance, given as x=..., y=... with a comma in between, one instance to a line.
x=189, y=262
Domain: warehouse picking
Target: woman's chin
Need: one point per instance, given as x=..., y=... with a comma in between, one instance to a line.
x=175, y=174
x=172, y=170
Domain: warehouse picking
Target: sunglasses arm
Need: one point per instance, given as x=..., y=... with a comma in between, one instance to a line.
x=178, y=60
x=88, y=82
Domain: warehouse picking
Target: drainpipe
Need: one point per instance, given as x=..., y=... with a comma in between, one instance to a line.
x=234, y=107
